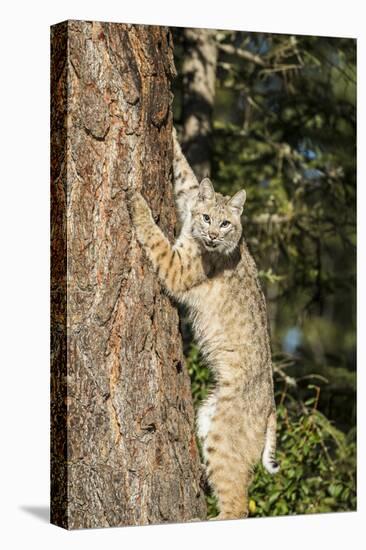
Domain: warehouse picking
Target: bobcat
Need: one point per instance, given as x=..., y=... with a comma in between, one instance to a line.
x=210, y=270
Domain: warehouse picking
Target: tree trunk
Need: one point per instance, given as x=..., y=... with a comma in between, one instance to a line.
x=123, y=449
x=199, y=77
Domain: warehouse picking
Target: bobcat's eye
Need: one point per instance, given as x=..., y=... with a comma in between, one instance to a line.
x=206, y=218
x=225, y=223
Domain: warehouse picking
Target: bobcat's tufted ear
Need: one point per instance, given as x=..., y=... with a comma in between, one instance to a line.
x=206, y=190
x=237, y=201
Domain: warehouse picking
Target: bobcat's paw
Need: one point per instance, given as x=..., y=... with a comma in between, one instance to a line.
x=139, y=209
x=141, y=216
x=223, y=515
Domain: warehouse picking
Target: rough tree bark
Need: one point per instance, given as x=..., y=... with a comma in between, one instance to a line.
x=123, y=449
x=199, y=77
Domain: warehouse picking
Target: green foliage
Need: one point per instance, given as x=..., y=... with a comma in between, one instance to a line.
x=317, y=473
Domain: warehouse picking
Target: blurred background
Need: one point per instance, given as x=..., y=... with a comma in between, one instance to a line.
x=276, y=114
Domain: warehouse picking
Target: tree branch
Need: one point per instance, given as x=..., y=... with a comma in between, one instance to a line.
x=243, y=54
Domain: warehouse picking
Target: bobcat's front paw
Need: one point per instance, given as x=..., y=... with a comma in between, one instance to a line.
x=139, y=209
x=140, y=214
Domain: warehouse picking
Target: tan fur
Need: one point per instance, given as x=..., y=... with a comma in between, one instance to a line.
x=210, y=269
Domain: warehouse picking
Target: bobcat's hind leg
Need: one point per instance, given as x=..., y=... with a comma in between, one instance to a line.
x=228, y=470
x=230, y=477
x=233, y=447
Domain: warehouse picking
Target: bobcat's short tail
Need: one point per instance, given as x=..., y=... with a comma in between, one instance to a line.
x=269, y=451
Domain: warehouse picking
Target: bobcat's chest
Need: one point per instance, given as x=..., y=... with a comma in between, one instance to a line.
x=205, y=297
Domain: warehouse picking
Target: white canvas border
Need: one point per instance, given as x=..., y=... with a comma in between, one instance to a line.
x=25, y=265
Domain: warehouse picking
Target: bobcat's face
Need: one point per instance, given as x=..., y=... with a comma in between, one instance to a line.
x=216, y=219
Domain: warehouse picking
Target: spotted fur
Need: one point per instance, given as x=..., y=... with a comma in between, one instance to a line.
x=210, y=269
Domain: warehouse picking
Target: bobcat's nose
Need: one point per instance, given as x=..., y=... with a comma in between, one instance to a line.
x=213, y=234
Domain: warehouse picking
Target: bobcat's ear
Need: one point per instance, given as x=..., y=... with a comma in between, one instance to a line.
x=206, y=190
x=237, y=201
